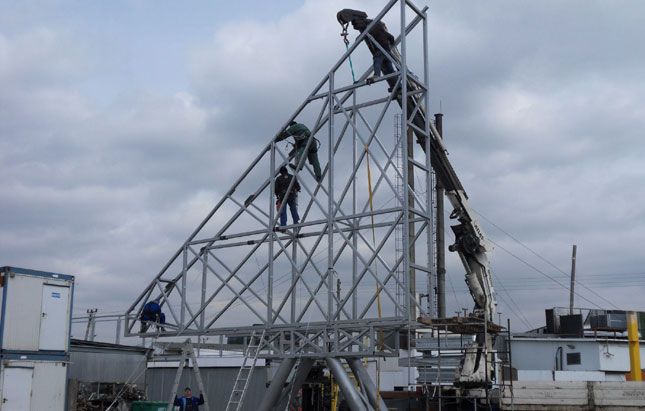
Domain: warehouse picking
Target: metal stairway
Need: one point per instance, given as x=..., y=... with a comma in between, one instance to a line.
x=241, y=384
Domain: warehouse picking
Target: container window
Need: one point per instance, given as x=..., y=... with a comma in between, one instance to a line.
x=573, y=358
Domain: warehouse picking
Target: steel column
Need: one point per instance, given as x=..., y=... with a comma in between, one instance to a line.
x=361, y=374
x=440, y=236
x=272, y=393
x=353, y=398
x=302, y=371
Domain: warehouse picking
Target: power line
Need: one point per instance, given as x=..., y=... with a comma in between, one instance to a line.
x=514, y=312
x=545, y=274
x=544, y=259
x=517, y=307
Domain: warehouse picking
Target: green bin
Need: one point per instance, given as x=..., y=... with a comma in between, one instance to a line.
x=149, y=406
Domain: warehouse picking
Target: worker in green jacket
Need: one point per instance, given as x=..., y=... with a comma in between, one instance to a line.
x=301, y=134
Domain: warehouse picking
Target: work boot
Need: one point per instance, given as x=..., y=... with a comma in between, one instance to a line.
x=369, y=80
x=291, y=166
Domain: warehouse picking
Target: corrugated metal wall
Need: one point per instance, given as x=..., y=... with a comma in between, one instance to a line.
x=108, y=366
x=218, y=382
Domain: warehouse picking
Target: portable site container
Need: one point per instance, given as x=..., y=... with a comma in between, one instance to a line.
x=36, y=310
x=33, y=382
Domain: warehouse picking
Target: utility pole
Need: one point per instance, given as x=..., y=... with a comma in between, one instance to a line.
x=573, y=279
x=440, y=236
x=89, y=331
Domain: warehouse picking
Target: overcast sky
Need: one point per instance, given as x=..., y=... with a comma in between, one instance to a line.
x=122, y=122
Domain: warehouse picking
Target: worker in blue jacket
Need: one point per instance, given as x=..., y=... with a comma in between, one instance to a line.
x=151, y=314
x=188, y=402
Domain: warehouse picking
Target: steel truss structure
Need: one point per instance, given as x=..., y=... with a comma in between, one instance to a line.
x=336, y=284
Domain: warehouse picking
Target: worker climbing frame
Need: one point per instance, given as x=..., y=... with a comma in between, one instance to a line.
x=336, y=285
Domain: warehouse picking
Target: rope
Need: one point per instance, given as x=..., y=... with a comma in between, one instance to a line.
x=378, y=288
x=346, y=41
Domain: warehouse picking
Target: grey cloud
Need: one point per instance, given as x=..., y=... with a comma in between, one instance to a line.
x=544, y=119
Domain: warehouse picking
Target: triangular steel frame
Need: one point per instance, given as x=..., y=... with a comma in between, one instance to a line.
x=236, y=273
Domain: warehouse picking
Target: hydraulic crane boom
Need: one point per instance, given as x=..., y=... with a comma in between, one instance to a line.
x=470, y=241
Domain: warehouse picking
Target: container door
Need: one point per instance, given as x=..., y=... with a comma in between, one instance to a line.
x=16, y=389
x=54, y=321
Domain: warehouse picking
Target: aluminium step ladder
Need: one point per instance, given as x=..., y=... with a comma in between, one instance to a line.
x=243, y=379
x=187, y=351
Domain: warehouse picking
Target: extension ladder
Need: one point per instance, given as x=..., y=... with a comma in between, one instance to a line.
x=244, y=374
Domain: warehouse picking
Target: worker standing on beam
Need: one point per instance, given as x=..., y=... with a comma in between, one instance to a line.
x=301, y=135
x=378, y=32
x=281, y=185
x=382, y=63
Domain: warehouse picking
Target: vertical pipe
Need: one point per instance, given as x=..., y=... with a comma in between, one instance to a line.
x=573, y=278
x=510, y=357
x=404, y=155
x=354, y=222
x=432, y=276
x=330, y=202
x=411, y=231
x=184, y=300
x=294, y=275
x=271, y=229
x=362, y=375
x=440, y=236
x=272, y=394
x=202, y=316
x=352, y=396
x=634, y=349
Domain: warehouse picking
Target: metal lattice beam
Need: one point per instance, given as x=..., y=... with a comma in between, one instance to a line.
x=341, y=281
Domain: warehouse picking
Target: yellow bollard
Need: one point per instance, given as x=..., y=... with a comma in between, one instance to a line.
x=634, y=349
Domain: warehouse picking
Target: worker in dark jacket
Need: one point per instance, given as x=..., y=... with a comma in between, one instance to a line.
x=386, y=41
x=301, y=134
x=188, y=402
x=151, y=314
x=378, y=32
x=281, y=185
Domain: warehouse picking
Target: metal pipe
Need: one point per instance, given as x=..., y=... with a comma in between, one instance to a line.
x=302, y=371
x=573, y=278
x=355, y=223
x=330, y=204
x=411, y=230
x=270, y=233
x=405, y=154
x=272, y=393
x=440, y=235
x=366, y=382
x=432, y=276
x=352, y=396
x=202, y=317
x=634, y=350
